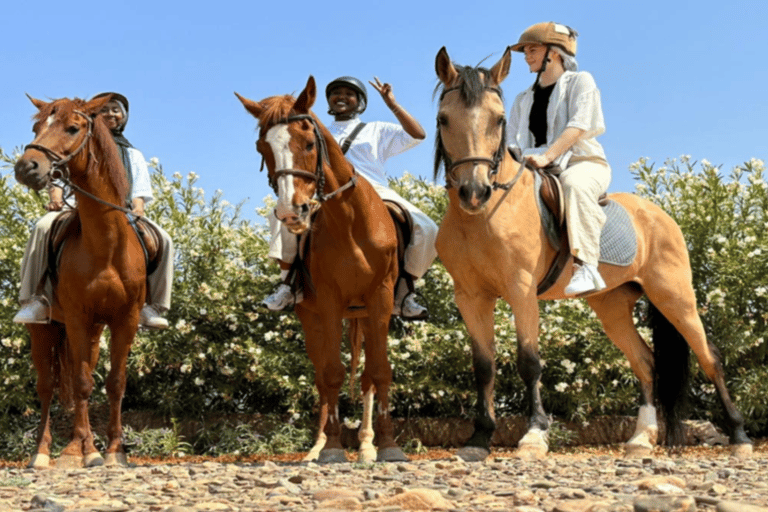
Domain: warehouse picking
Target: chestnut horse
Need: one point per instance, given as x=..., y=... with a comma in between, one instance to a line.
x=352, y=259
x=101, y=275
x=492, y=243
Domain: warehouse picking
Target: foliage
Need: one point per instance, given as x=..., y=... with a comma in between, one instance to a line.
x=224, y=355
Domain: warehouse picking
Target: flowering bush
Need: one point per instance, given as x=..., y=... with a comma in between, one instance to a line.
x=223, y=354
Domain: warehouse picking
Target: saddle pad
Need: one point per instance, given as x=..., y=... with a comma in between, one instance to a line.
x=618, y=240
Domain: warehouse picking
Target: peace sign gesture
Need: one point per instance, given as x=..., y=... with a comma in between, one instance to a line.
x=385, y=90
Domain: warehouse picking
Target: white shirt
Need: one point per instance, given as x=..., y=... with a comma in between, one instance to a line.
x=575, y=102
x=377, y=142
x=142, y=185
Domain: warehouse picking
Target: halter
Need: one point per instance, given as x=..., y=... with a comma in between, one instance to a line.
x=60, y=165
x=493, y=163
x=318, y=176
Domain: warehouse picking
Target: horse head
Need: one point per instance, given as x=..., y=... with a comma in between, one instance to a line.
x=471, y=127
x=62, y=130
x=293, y=148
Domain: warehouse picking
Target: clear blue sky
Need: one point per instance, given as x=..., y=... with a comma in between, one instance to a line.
x=676, y=77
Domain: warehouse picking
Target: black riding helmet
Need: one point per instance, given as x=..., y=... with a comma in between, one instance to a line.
x=122, y=100
x=352, y=83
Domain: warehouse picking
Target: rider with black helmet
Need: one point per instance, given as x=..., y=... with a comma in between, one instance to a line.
x=368, y=146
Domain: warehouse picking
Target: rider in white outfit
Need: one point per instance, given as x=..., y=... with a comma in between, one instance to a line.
x=556, y=122
x=368, y=152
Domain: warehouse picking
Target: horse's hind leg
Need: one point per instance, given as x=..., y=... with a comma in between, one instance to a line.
x=614, y=309
x=46, y=341
x=676, y=300
x=120, y=346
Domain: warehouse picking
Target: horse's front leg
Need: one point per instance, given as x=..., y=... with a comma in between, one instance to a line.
x=477, y=311
x=534, y=444
x=122, y=336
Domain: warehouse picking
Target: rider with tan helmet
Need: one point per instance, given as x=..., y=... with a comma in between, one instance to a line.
x=556, y=121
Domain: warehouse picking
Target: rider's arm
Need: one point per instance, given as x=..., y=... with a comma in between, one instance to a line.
x=55, y=199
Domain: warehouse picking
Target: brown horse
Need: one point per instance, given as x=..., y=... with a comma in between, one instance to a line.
x=492, y=243
x=101, y=275
x=352, y=260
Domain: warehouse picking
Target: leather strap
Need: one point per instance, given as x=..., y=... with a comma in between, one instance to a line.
x=348, y=141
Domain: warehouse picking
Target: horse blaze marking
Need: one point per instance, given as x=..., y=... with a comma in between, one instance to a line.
x=278, y=138
x=50, y=120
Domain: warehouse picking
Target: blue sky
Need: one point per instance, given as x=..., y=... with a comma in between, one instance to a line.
x=676, y=77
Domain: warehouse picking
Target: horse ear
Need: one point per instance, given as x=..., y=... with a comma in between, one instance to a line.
x=444, y=68
x=37, y=103
x=94, y=106
x=251, y=106
x=307, y=97
x=500, y=70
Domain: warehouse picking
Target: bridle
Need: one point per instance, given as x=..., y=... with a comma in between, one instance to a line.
x=493, y=163
x=60, y=165
x=322, y=156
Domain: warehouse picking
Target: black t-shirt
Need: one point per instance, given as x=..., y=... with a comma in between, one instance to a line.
x=537, y=120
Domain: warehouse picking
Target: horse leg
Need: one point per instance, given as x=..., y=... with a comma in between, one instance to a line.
x=367, y=452
x=378, y=373
x=81, y=340
x=614, y=309
x=120, y=346
x=323, y=333
x=46, y=340
x=676, y=300
x=314, y=453
x=534, y=444
x=477, y=311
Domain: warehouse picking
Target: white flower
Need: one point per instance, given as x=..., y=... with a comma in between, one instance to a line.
x=199, y=381
x=561, y=387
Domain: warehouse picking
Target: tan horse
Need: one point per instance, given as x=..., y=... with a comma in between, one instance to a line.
x=352, y=260
x=492, y=243
x=101, y=280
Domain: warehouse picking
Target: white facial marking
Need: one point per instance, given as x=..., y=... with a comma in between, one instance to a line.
x=278, y=138
x=49, y=121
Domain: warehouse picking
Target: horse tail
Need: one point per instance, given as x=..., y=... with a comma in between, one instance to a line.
x=62, y=371
x=672, y=373
x=356, y=341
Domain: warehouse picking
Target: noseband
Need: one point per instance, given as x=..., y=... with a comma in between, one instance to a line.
x=322, y=156
x=493, y=163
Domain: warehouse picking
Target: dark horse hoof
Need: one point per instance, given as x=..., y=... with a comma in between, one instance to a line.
x=332, y=456
x=394, y=454
x=473, y=454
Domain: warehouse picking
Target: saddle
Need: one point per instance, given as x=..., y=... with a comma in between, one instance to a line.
x=551, y=192
x=68, y=223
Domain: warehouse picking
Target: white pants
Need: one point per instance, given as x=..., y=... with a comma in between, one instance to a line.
x=583, y=183
x=419, y=254
x=35, y=263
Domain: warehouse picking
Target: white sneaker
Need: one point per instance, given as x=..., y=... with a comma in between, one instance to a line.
x=150, y=318
x=282, y=298
x=406, y=305
x=33, y=312
x=586, y=278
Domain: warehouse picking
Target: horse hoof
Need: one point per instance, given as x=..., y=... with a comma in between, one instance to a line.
x=39, y=461
x=116, y=459
x=741, y=451
x=637, y=451
x=93, y=460
x=332, y=456
x=393, y=454
x=531, y=452
x=366, y=455
x=69, y=462
x=473, y=454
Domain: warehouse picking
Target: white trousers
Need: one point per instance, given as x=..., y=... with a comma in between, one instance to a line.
x=35, y=263
x=583, y=183
x=419, y=254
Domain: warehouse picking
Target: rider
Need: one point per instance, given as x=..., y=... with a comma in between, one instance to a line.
x=368, y=151
x=556, y=122
x=34, y=295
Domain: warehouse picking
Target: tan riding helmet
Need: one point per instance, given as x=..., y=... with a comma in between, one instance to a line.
x=549, y=33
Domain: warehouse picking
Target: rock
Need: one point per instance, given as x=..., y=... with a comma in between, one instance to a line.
x=664, y=504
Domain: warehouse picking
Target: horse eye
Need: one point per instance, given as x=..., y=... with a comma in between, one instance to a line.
x=310, y=146
x=72, y=130
x=442, y=120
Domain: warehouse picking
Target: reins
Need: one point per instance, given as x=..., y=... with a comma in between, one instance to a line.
x=322, y=156
x=60, y=168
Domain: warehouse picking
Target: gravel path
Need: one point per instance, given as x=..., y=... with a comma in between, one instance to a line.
x=587, y=480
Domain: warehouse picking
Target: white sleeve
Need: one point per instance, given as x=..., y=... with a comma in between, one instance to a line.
x=584, y=106
x=142, y=185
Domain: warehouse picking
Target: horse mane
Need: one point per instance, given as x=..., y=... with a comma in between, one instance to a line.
x=106, y=154
x=471, y=83
x=276, y=108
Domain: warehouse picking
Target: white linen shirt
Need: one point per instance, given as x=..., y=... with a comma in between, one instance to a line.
x=142, y=185
x=575, y=102
x=377, y=142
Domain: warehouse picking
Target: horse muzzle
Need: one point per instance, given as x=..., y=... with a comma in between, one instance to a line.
x=32, y=173
x=474, y=196
x=295, y=218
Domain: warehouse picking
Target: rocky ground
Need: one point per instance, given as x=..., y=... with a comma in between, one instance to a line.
x=578, y=479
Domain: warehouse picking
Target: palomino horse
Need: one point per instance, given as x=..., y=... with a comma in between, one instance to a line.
x=352, y=260
x=492, y=243
x=101, y=275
